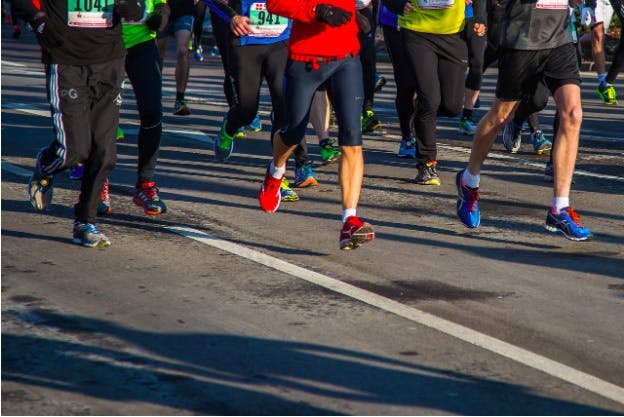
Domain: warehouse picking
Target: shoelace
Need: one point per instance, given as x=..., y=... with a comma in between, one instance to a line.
x=150, y=192
x=473, y=194
x=576, y=218
x=104, y=193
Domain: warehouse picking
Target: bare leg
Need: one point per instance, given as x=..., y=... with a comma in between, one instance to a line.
x=470, y=98
x=487, y=129
x=319, y=114
x=351, y=172
x=182, y=59
x=568, y=101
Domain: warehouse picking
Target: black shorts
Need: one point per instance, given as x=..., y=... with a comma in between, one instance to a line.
x=519, y=71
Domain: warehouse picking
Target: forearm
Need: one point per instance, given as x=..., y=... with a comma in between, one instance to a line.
x=221, y=9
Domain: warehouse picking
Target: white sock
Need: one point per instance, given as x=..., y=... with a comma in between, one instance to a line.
x=470, y=180
x=277, y=172
x=559, y=203
x=347, y=213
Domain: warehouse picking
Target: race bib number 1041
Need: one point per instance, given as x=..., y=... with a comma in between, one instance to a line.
x=90, y=13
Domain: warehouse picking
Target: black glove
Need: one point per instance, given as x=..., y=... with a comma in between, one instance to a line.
x=130, y=9
x=333, y=16
x=363, y=24
x=47, y=35
x=159, y=17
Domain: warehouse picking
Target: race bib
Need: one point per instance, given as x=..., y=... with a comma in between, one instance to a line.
x=552, y=4
x=435, y=4
x=90, y=14
x=265, y=24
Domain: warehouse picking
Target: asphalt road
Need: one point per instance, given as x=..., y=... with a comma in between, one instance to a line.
x=219, y=308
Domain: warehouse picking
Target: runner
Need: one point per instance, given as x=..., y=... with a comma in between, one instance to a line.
x=323, y=46
x=404, y=100
x=596, y=15
x=431, y=35
x=528, y=56
x=180, y=26
x=83, y=54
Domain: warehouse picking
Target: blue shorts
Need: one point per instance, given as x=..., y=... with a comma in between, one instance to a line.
x=181, y=23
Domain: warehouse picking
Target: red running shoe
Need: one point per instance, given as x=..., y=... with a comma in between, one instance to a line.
x=354, y=233
x=269, y=195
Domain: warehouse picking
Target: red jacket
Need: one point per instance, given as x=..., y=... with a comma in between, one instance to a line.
x=310, y=39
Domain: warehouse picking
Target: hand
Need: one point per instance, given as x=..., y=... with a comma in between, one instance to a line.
x=47, y=36
x=239, y=25
x=408, y=8
x=363, y=23
x=159, y=18
x=480, y=29
x=130, y=9
x=333, y=16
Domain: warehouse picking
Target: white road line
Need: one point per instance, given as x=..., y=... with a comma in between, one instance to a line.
x=202, y=137
x=15, y=169
x=523, y=356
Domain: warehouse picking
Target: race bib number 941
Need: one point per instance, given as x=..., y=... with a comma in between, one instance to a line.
x=265, y=24
x=90, y=13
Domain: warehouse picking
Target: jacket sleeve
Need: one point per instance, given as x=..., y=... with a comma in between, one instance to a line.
x=480, y=14
x=302, y=10
x=221, y=9
x=395, y=6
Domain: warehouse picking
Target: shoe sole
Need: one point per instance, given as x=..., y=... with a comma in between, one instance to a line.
x=306, y=184
x=555, y=229
x=429, y=182
x=37, y=198
x=364, y=235
x=98, y=245
x=184, y=112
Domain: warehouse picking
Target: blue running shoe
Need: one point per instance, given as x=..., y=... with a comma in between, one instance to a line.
x=76, y=172
x=407, y=149
x=304, y=177
x=88, y=234
x=467, y=203
x=567, y=222
x=255, y=125
x=540, y=143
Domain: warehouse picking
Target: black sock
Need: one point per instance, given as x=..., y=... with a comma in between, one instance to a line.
x=179, y=96
x=467, y=113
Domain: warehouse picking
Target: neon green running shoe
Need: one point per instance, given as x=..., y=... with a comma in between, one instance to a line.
x=224, y=144
x=608, y=95
x=288, y=194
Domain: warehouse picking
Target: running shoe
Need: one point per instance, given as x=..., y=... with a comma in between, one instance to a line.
x=88, y=234
x=428, y=174
x=120, y=134
x=568, y=222
x=608, y=95
x=354, y=233
x=407, y=148
x=146, y=196
x=181, y=109
x=40, y=188
x=512, y=137
x=255, y=125
x=328, y=152
x=467, y=203
x=467, y=126
x=270, y=195
x=240, y=134
x=199, y=54
x=105, y=206
x=540, y=143
x=224, y=144
x=304, y=177
x=369, y=122
x=287, y=193
x=76, y=172
x=380, y=81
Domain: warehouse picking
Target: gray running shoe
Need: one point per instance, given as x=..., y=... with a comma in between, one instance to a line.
x=88, y=234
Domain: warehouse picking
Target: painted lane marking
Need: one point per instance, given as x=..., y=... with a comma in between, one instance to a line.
x=203, y=137
x=517, y=354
